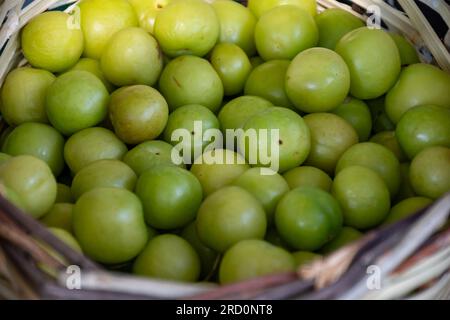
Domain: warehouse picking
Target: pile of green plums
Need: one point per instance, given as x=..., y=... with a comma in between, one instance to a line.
x=364, y=133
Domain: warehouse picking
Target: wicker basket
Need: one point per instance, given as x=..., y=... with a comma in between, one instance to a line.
x=408, y=260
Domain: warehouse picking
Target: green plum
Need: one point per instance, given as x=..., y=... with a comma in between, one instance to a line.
x=406, y=190
x=221, y=223
x=109, y=225
x=408, y=54
x=33, y=182
x=267, y=81
x=149, y=154
x=170, y=195
x=185, y=118
x=284, y=31
x=259, y=7
x=132, y=56
x=237, y=25
x=268, y=189
x=188, y=27
x=346, y=236
x=75, y=101
x=406, y=208
x=333, y=24
x=191, y=80
x=363, y=197
x=430, y=172
x=138, y=113
x=303, y=258
x=39, y=140
x=232, y=65
x=64, y=194
x=373, y=60
x=357, y=113
x=317, y=80
x=23, y=95
x=92, y=144
x=294, y=138
x=331, y=136
x=389, y=140
x=51, y=42
x=93, y=66
x=168, y=257
x=225, y=166
x=308, y=177
x=59, y=216
x=147, y=10
x=102, y=174
x=307, y=218
x=422, y=127
x=376, y=157
x=238, y=111
x=419, y=84
x=249, y=259
x=100, y=20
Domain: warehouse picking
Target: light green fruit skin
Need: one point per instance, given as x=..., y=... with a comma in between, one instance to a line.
x=109, y=225
x=389, y=140
x=357, y=113
x=238, y=111
x=64, y=194
x=4, y=157
x=308, y=177
x=23, y=95
x=408, y=54
x=331, y=137
x=66, y=237
x=138, y=113
x=376, y=157
x=208, y=257
x=168, y=257
x=39, y=140
x=267, y=81
x=185, y=118
x=406, y=190
x=307, y=218
x=294, y=137
x=268, y=189
x=59, y=216
x=317, y=80
x=188, y=27
x=373, y=60
x=132, y=56
x=32, y=180
x=90, y=145
x=346, y=236
x=303, y=258
x=363, y=197
x=284, y=31
x=237, y=25
x=75, y=101
x=100, y=20
x=333, y=24
x=259, y=7
x=93, y=66
x=103, y=174
x=430, y=172
x=147, y=10
x=254, y=258
x=409, y=92
x=11, y=196
x=191, y=80
x=170, y=196
x=51, y=42
x=422, y=127
x=222, y=173
x=232, y=66
x=149, y=154
x=406, y=208
x=221, y=223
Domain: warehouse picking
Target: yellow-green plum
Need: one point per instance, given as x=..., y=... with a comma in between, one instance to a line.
x=357, y=113
x=132, y=56
x=63, y=194
x=11, y=196
x=408, y=54
x=259, y=7
x=346, y=236
x=147, y=10
x=406, y=208
x=23, y=95
x=93, y=66
x=406, y=190
x=51, y=42
x=389, y=140
x=306, y=176
x=138, y=113
x=59, y=216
